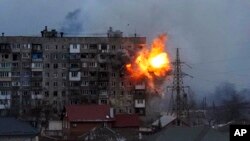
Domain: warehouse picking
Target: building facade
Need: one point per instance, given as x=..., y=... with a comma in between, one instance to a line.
x=51, y=71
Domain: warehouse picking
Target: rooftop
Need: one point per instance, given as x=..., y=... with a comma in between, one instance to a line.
x=13, y=127
x=88, y=113
x=127, y=120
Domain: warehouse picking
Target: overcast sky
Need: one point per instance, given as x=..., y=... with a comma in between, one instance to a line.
x=214, y=35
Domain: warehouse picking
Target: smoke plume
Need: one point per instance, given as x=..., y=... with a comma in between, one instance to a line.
x=72, y=23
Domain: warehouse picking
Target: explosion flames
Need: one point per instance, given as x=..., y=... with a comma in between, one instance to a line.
x=151, y=63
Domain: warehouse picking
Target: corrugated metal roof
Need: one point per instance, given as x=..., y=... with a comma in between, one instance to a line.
x=10, y=126
x=165, y=120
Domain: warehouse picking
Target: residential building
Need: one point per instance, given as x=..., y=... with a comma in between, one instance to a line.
x=48, y=72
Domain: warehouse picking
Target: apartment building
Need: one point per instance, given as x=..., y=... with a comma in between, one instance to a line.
x=54, y=70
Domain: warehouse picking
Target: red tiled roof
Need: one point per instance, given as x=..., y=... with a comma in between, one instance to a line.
x=88, y=113
x=127, y=120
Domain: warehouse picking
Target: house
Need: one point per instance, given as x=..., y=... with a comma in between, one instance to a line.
x=12, y=129
x=127, y=121
x=79, y=119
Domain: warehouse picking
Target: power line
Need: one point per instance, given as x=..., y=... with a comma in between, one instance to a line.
x=221, y=60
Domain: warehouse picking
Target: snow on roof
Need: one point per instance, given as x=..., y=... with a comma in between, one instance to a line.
x=165, y=120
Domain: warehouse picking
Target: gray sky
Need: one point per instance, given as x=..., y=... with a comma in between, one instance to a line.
x=213, y=34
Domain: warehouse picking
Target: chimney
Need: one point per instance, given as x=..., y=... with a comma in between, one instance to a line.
x=42, y=33
x=61, y=33
x=2, y=34
x=46, y=29
x=111, y=110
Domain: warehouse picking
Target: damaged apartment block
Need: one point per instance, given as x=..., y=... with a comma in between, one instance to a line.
x=40, y=75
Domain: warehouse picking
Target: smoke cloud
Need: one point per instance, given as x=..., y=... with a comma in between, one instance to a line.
x=72, y=23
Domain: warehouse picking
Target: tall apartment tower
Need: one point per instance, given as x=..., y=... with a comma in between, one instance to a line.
x=51, y=71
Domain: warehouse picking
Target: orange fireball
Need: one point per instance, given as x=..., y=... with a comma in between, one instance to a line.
x=151, y=63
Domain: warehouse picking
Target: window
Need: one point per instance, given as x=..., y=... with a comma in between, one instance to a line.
x=5, y=56
x=46, y=65
x=46, y=93
x=64, y=84
x=85, y=74
x=140, y=101
x=55, y=84
x=84, y=65
x=25, y=83
x=93, y=46
x=5, y=65
x=84, y=55
x=47, y=47
x=55, y=56
x=15, y=83
x=15, y=74
x=85, y=46
x=56, y=46
x=55, y=74
x=113, y=84
x=113, y=47
x=36, y=92
x=63, y=93
x=4, y=74
x=64, y=65
x=55, y=93
x=64, y=56
x=74, y=125
x=122, y=84
x=74, y=46
x=46, y=56
x=113, y=93
x=14, y=65
x=92, y=64
x=63, y=74
x=85, y=83
x=47, y=84
x=46, y=74
x=55, y=66
x=74, y=74
x=85, y=92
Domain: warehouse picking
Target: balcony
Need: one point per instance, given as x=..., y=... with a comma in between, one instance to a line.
x=37, y=67
x=36, y=96
x=74, y=76
x=4, y=97
x=140, y=87
x=103, y=95
x=37, y=56
x=5, y=48
x=5, y=78
x=5, y=106
x=74, y=48
x=36, y=48
x=5, y=66
x=140, y=103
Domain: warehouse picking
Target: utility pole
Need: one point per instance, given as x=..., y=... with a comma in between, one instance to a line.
x=179, y=100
